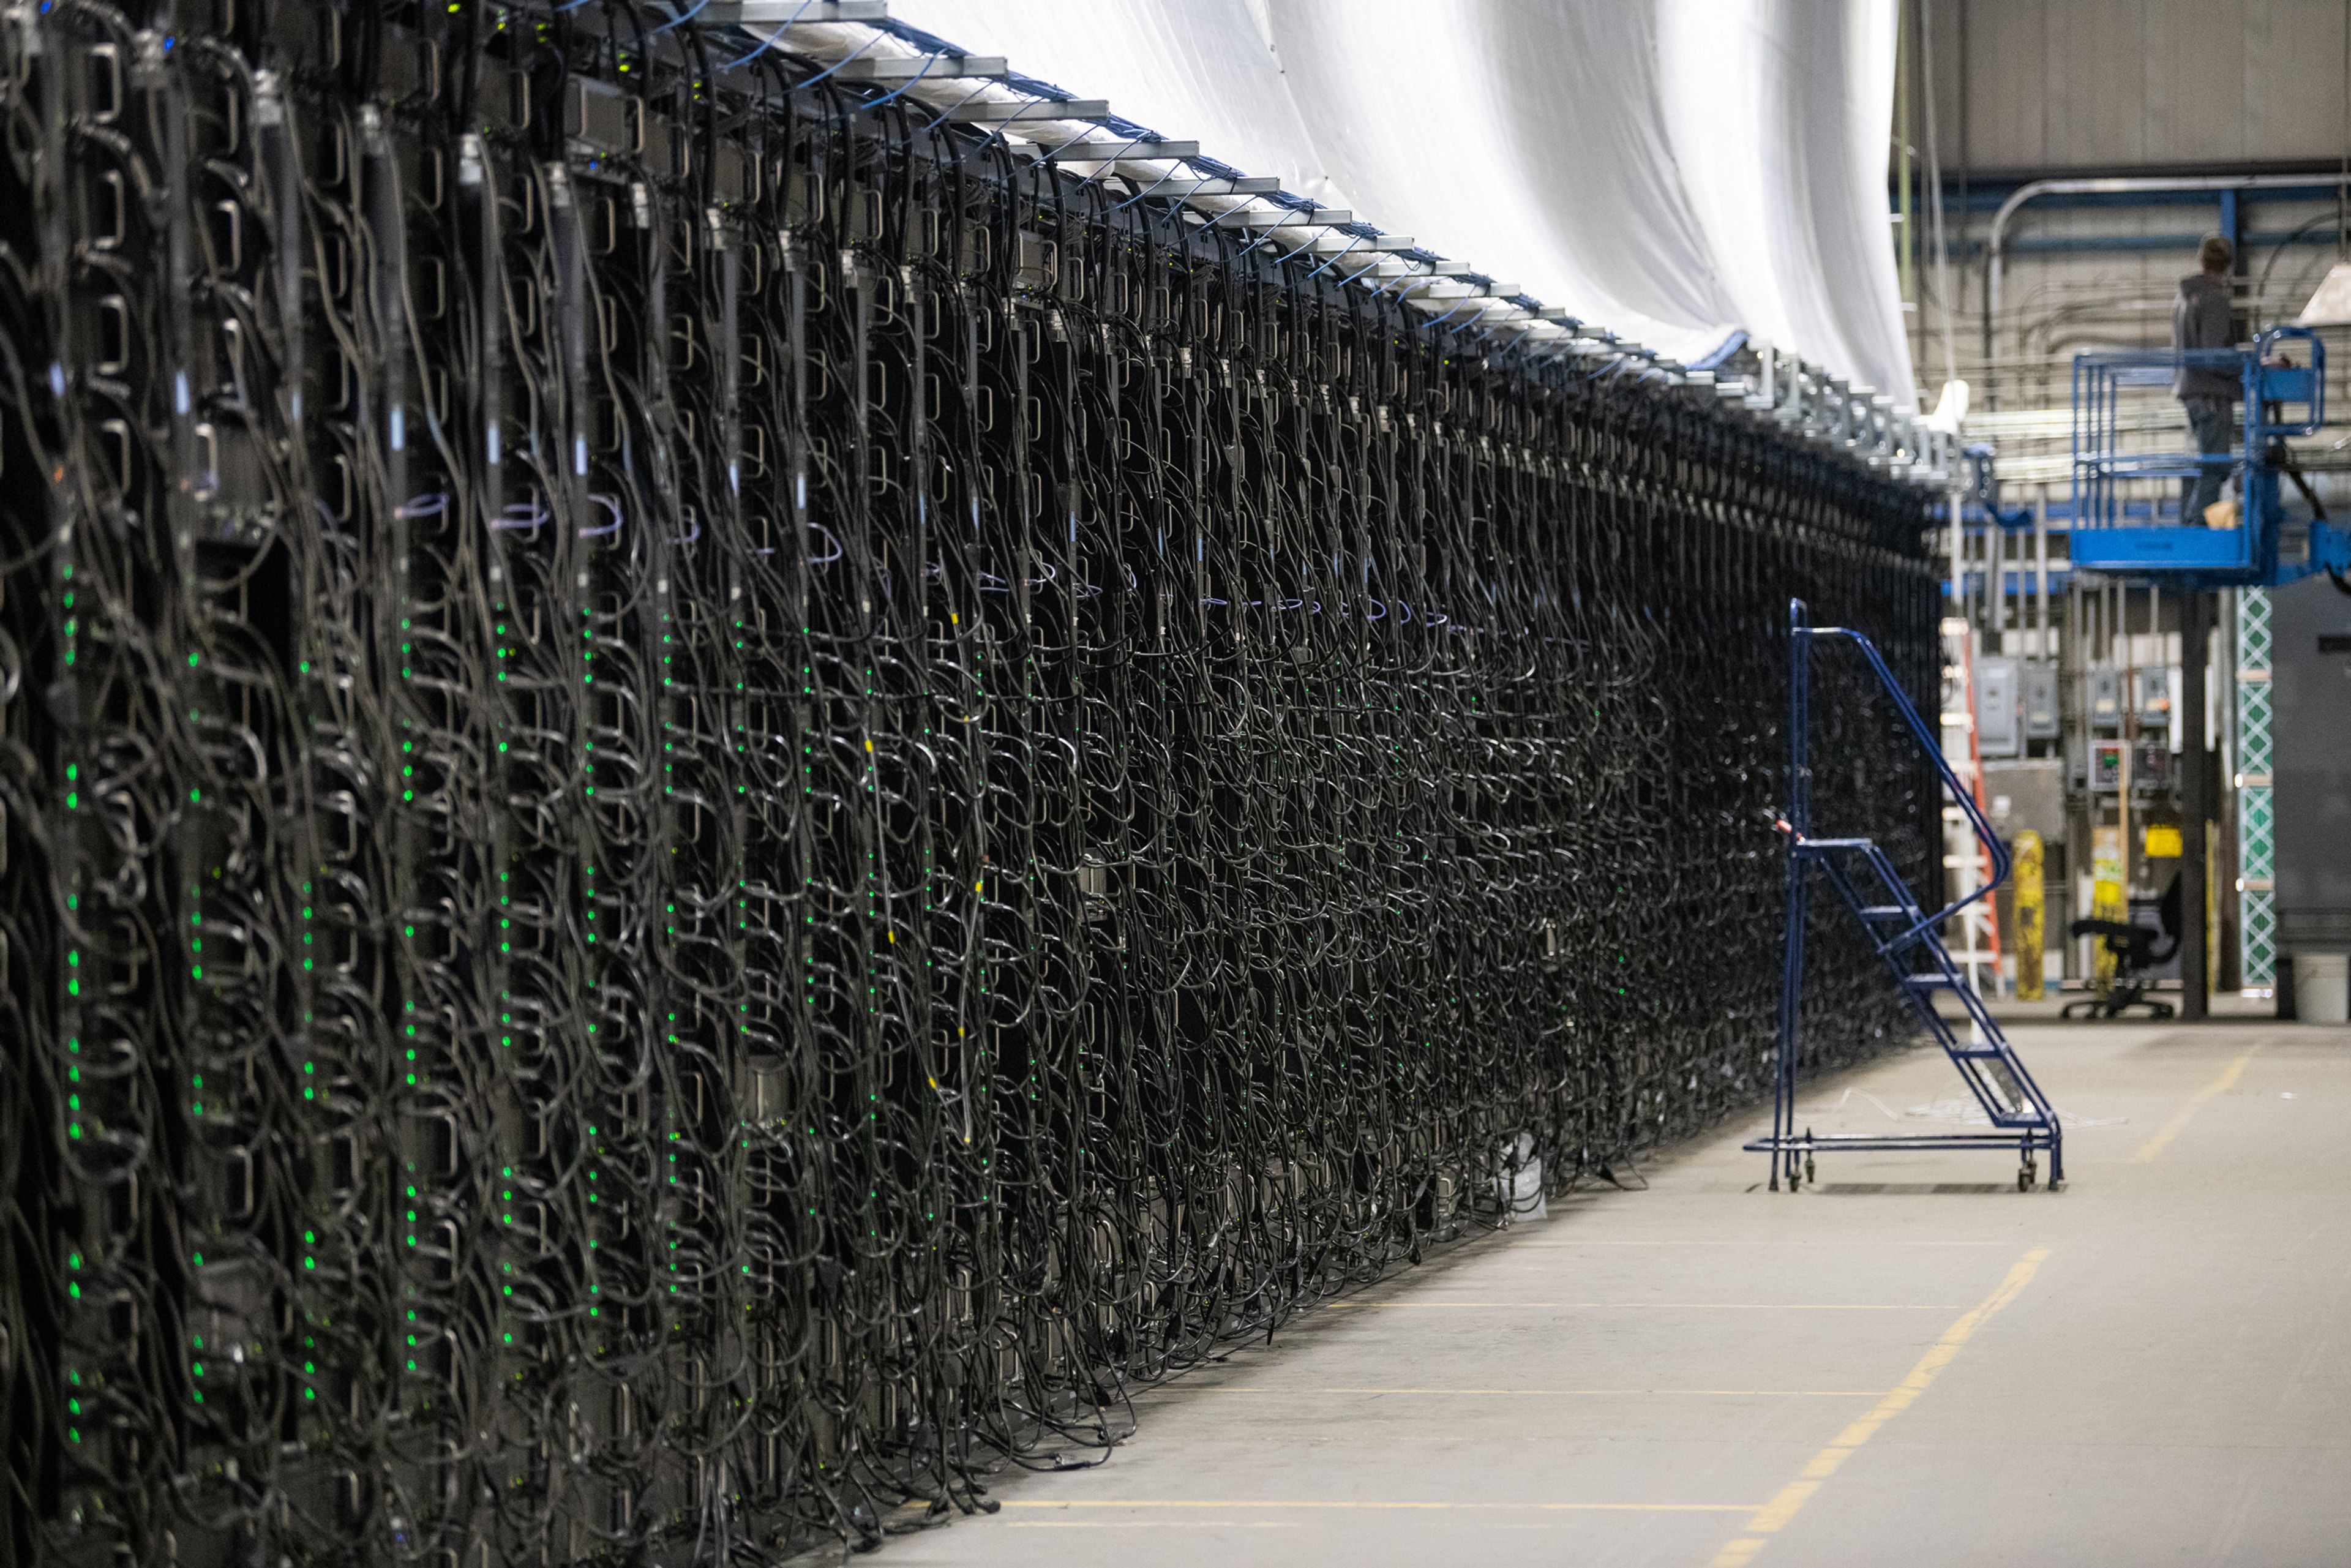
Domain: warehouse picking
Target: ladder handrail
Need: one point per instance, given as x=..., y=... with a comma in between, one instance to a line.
x=1799, y=631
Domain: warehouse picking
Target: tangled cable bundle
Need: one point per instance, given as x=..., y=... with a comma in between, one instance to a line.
x=716, y=804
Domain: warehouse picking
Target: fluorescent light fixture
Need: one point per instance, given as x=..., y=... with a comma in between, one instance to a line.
x=2331, y=305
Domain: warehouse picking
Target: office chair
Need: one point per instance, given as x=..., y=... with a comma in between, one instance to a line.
x=2136, y=950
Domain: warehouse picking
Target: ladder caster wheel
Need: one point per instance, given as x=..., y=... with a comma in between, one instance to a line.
x=2024, y=1179
x=1807, y=1171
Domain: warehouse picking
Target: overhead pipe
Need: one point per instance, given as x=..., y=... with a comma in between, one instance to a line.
x=2099, y=186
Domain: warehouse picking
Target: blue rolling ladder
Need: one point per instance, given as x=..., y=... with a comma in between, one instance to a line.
x=1909, y=939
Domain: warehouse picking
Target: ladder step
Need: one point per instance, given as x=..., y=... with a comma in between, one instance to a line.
x=1983, y=1053
x=1928, y=982
x=1903, y=910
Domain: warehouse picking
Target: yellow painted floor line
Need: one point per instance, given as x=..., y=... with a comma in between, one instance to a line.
x=1773, y=1516
x=1775, y=1243
x=1460, y=1507
x=1707, y=1306
x=1151, y=1524
x=2202, y=1098
x=1543, y=1393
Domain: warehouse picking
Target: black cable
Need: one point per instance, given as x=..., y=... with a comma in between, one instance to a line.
x=719, y=805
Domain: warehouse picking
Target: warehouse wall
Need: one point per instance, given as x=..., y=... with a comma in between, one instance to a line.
x=2312, y=766
x=2107, y=85
x=2023, y=90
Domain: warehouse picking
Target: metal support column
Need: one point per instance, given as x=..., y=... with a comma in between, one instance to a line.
x=2196, y=803
x=2041, y=648
x=1959, y=591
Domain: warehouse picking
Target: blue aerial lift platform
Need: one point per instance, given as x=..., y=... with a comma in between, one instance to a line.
x=2267, y=548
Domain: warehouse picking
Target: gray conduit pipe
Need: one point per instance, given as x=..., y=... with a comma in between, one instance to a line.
x=2105, y=186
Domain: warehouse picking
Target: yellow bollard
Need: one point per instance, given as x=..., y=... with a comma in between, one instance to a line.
x=2211, y=910
x=2030, y=938
x=2106, y=902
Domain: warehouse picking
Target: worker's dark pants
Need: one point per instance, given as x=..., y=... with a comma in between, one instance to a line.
x=2208, y=420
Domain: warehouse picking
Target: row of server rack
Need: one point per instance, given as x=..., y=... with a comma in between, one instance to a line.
x=717, y=804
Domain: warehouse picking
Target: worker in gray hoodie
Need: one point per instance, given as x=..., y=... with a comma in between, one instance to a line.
x=2199, y=319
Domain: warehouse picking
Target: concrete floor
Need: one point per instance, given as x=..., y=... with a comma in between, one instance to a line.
x=1912, y=1364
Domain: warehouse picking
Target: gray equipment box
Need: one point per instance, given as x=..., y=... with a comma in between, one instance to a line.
x=2040, y=709
x=2155, y=697
x=1997, y=708
x=2106, y=697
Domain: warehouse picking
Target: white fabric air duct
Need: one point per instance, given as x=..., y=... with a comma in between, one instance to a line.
x=1671, y=170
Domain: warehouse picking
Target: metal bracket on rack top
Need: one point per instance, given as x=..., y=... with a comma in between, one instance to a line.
x=1039, y=109
x=1342, y=244
x=793, y=13
x=1283, y=218
x=1124, y=153
x=928, y=68
x=1438, y=289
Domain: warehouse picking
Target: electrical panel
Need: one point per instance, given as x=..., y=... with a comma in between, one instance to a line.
x=2043, y=712
x=2154, y=697
x=2106, y=704
x=1998, y=707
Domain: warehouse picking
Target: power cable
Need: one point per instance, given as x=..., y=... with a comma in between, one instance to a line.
x=717, y=807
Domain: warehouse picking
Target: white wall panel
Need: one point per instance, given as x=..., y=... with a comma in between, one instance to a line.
x=2112, y=84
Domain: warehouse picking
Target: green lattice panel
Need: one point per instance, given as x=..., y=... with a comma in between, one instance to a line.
x=2254, y=728
x=2254, y=629
x=2257, y=939
x=2256, y=832
x=2256, y=812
